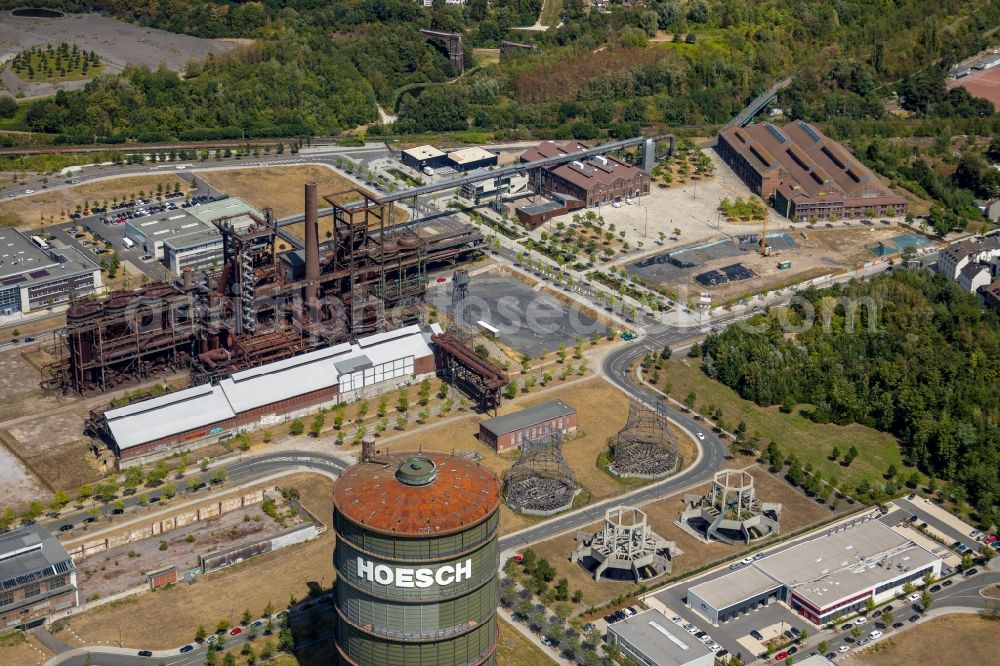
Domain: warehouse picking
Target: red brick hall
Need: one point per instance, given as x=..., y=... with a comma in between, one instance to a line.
x=511, y=430
x=805, y=174
x=599, y=180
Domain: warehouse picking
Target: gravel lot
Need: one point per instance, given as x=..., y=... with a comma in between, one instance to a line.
x=116, y=42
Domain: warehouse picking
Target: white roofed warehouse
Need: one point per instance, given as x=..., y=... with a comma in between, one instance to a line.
x=831, y=574
x=267, y=394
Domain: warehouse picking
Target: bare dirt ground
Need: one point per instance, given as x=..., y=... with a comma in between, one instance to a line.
x=38, y=209
x=798, y=511
x=985, y=84
x=281, y=189
x=121, y=568
x=37, y=451
x=116, y=42
x=177, y=612
x=955, y=639
x=817, y=252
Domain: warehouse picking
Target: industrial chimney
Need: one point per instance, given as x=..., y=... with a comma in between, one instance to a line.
x=312, y=245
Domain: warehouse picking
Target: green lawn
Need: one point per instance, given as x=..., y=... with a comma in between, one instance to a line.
x=551, y=12
x=793, y=433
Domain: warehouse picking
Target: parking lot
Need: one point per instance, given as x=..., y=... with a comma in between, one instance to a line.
x=109, y=224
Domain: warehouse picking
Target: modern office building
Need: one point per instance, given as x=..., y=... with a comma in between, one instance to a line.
x=178, y=239
x=35, y=275
x=416, y=559
x=470, y=159
x=595, y=180
x=805, y=174
x=652, y=640
x=424, y=156
x=491, y=186
x=510, y=430
x=37, y=577
x=831, y=574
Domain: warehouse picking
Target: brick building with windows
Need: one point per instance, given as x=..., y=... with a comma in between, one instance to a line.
x=37, y=577
x=804, y=174
x=510, y=430
x=599, y=180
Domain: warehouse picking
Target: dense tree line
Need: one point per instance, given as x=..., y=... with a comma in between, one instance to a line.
x=595, y=75
x=922, y=365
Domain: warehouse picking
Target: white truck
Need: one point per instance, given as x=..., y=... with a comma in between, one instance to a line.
x=128, y=243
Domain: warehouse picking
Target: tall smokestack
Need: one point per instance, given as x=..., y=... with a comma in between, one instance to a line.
x=312, y=244
x=186, y=273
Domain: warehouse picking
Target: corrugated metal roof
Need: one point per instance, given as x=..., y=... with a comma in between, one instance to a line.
x=186, y=410
x=501, y=425
x=200, y=406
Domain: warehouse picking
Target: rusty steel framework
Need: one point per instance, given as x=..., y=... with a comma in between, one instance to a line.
x=369, y=275
x=645, y=446
x=464, y=368
x=540, y=482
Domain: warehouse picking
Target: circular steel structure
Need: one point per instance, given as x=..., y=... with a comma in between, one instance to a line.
x=416, y=559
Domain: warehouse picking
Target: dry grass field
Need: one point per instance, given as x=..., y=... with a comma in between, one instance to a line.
x=516, y=650
x=38, y=209
x=281, y=188
x=798, y=511
x=16, y=648
x=177, y=612
x=594, y=400
x=954, y=639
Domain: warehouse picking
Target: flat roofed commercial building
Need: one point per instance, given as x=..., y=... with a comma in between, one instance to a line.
x=595, y=181
x=32, y=278
x=653, y=640
x=828, y=575
x=238, y=212
x=270, y=393
x=510, y=430
x=805, y=174
x=470, y=159
x=178, y=238
x=730, y=594
x=424, y=156
x=37, y=577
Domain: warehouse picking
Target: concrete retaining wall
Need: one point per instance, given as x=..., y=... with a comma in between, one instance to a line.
x=156, y=527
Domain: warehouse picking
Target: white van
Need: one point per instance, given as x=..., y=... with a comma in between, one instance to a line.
x=128, y=243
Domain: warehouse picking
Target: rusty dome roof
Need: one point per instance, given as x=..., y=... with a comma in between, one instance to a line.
x=417, y=494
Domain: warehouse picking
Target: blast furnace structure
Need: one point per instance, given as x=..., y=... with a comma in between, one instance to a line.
x=416, y=559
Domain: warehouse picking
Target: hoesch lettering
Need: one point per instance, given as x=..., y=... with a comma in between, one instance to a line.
x=400, y=577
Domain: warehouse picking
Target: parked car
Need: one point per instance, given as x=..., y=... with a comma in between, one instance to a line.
x=236, y=631
x=935, y=588
x=145, y=653
x=781, y=656
x=860, y=620
x=756, y=634
x=972, y=572
x=914, y=618
x=947, y=583
x=875, y=634
x=913, y=597
x=186, y=649
x=843, y=648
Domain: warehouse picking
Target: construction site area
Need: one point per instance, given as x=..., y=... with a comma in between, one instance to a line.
x=731, y=268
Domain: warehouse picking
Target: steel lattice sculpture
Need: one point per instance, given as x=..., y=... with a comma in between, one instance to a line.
x=540, y=482
x=645, y=447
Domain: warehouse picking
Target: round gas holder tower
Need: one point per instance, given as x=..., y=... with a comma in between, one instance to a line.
x=416, y=558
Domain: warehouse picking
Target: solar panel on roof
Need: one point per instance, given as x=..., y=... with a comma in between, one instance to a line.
x=810, y=132
x=38, y=274
x=775, y=132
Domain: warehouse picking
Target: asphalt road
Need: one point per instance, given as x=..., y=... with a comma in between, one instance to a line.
x=941, y=526
x=239, y=472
